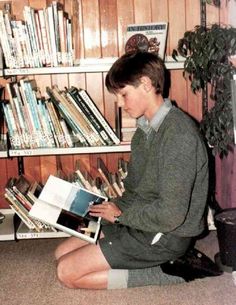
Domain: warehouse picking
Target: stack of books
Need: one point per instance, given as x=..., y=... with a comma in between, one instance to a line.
x=68, y=118
x=44, y=38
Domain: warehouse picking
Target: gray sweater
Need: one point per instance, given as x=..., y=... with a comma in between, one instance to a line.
x=167, y=183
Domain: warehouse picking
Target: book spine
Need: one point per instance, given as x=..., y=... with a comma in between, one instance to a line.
x=64, y=113
x=46, y=130
x=7, y=51
x=97, y=140
x=89, y=114
x=16, y=206
x=45, y=36
x=51, y=29
x=84, y=95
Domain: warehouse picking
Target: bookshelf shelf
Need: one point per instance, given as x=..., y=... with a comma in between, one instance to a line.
x=86, y=66
x=24, y=233
x=70, y=151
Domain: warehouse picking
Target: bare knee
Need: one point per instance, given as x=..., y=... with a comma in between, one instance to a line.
x=58, y=252
x=64, y=275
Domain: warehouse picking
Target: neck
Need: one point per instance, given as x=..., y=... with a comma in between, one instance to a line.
x=155, y=104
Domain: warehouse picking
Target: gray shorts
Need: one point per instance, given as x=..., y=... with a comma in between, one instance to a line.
x=123, y=250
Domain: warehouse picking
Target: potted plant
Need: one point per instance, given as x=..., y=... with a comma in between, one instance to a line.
x=208, y=51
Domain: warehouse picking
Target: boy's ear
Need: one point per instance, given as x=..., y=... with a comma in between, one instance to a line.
x=146, y=82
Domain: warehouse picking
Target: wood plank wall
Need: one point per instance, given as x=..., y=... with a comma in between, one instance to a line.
x=99, y=27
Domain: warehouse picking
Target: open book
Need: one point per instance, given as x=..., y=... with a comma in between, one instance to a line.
x=65, y=206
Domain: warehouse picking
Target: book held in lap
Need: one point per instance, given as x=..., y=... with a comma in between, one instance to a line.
x=65, y=206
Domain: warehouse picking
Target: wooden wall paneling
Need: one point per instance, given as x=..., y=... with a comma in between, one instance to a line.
x=178, y=90
x=93, y=164
x=37, y=4
x=125, y=15
x=112, y=162
x=212, y=14
x=48, y=166
x=177, y=26
x=224, y=11
x=108, y=21
x=192, y=14
x=17, y=8
x=160, y=12
x=65, y=163
x=77, y=80
x=109, y=105
x=142, y=11
x=227, y=175
x=42, y=81
x=194, y=106
x=94, y=87
x=194, y=103
x=61, y=80
x=218, y=180
x=84, y=159
x=32, y=168
x=91, y=23
x=3, y=181
x=78, y=30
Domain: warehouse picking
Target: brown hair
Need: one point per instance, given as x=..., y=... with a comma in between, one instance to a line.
x=130, y=67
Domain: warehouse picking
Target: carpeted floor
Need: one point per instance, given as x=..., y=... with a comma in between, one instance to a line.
x=27, y=277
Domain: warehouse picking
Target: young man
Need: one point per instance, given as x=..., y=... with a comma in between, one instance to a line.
x=166, y=188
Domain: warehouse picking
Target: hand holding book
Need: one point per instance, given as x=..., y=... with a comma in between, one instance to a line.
x=107, y=210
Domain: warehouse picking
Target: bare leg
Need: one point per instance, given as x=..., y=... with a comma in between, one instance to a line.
x=84, y=267
x=70, y=244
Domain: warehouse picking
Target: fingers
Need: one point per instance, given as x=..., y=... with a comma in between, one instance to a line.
x=106, y=210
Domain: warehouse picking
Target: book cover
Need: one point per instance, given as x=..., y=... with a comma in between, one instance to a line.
x=65, y=206
x=149, y=37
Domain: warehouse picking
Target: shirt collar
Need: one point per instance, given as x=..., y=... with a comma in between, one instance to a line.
x=157, y=119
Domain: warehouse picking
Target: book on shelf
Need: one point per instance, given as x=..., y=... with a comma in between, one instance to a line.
x=17, y=194
x=107, y=178
x=149, y=37
x=97, y=113
x=72, y=116
x=43, y=38
x=65, y=206
x=95, y=122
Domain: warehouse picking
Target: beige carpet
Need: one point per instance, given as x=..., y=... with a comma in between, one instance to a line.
x=27, y=277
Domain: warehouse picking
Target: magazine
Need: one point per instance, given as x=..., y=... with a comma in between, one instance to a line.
x=65, y=206
x=149, y=37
